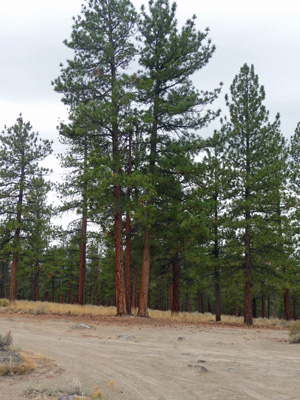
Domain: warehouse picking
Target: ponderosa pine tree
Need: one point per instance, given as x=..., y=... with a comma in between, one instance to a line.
x=254, y=151
x=212, y=188
x=173, y=106
x=102, y=42
x=36, y=230
x=20, y=152
x=74, y=190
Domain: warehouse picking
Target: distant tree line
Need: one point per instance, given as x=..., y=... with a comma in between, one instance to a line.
x=166, y=219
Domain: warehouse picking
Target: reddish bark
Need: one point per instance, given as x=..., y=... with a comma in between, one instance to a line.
x=144, y=289
x=145, y=275
x=128, y=239
x=127, y=264
x=134, y=302
x=120, y=288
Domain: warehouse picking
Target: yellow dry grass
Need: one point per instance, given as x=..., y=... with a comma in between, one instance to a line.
x=208, y=318
x=27, y=366
x=40, y=308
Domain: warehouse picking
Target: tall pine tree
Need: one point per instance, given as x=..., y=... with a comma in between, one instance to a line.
x=20, y=151
x=255, y=151
x=169, y=58
x=101, y=41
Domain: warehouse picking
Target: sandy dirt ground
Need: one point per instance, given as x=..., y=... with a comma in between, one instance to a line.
x=155, y=359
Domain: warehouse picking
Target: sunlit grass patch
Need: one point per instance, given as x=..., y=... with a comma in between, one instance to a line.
x=41, y=308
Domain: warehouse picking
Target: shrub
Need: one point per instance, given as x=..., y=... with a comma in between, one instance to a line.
x=4, y=303
x=5, y=341
x=295, y=332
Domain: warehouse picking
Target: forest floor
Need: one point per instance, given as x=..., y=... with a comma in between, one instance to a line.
x=131, y=358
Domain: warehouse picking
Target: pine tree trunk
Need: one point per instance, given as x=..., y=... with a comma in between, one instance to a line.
x=216, y=256
x=202, y=303
x=52, y=290
x=144, y=285
x=96, y=283
x=218, y=299
x=145, y=275
x=128, y=240
x=294, y=307
x=82, y=265
x=263, y=306
x=5, y=275
x=127, y=264
x=175, y=305
x=134, y=288
x=35, y=291
x=248, y=296
x=13, y=276
x=82, y=262
x=287, y=309
x=199, y=300
x=120, y=284
x=254, y=311
x=120, y=287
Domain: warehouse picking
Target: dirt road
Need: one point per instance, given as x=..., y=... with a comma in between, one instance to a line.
x=156, y=360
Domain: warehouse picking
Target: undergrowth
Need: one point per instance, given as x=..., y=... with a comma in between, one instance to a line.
x=75, y=388
x=10, y=367
x=294, y=329
x=27, y=366
x=5, y=341
x=43, y=308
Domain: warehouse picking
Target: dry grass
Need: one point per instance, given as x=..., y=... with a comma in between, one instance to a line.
x=28, y=365
x=294, y=329
x=75, y=388
x=209, y=318
x=4, y=303
x=40, y=308
x=5, y=341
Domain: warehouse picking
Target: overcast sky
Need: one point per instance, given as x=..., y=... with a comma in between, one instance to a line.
x=260, y=32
